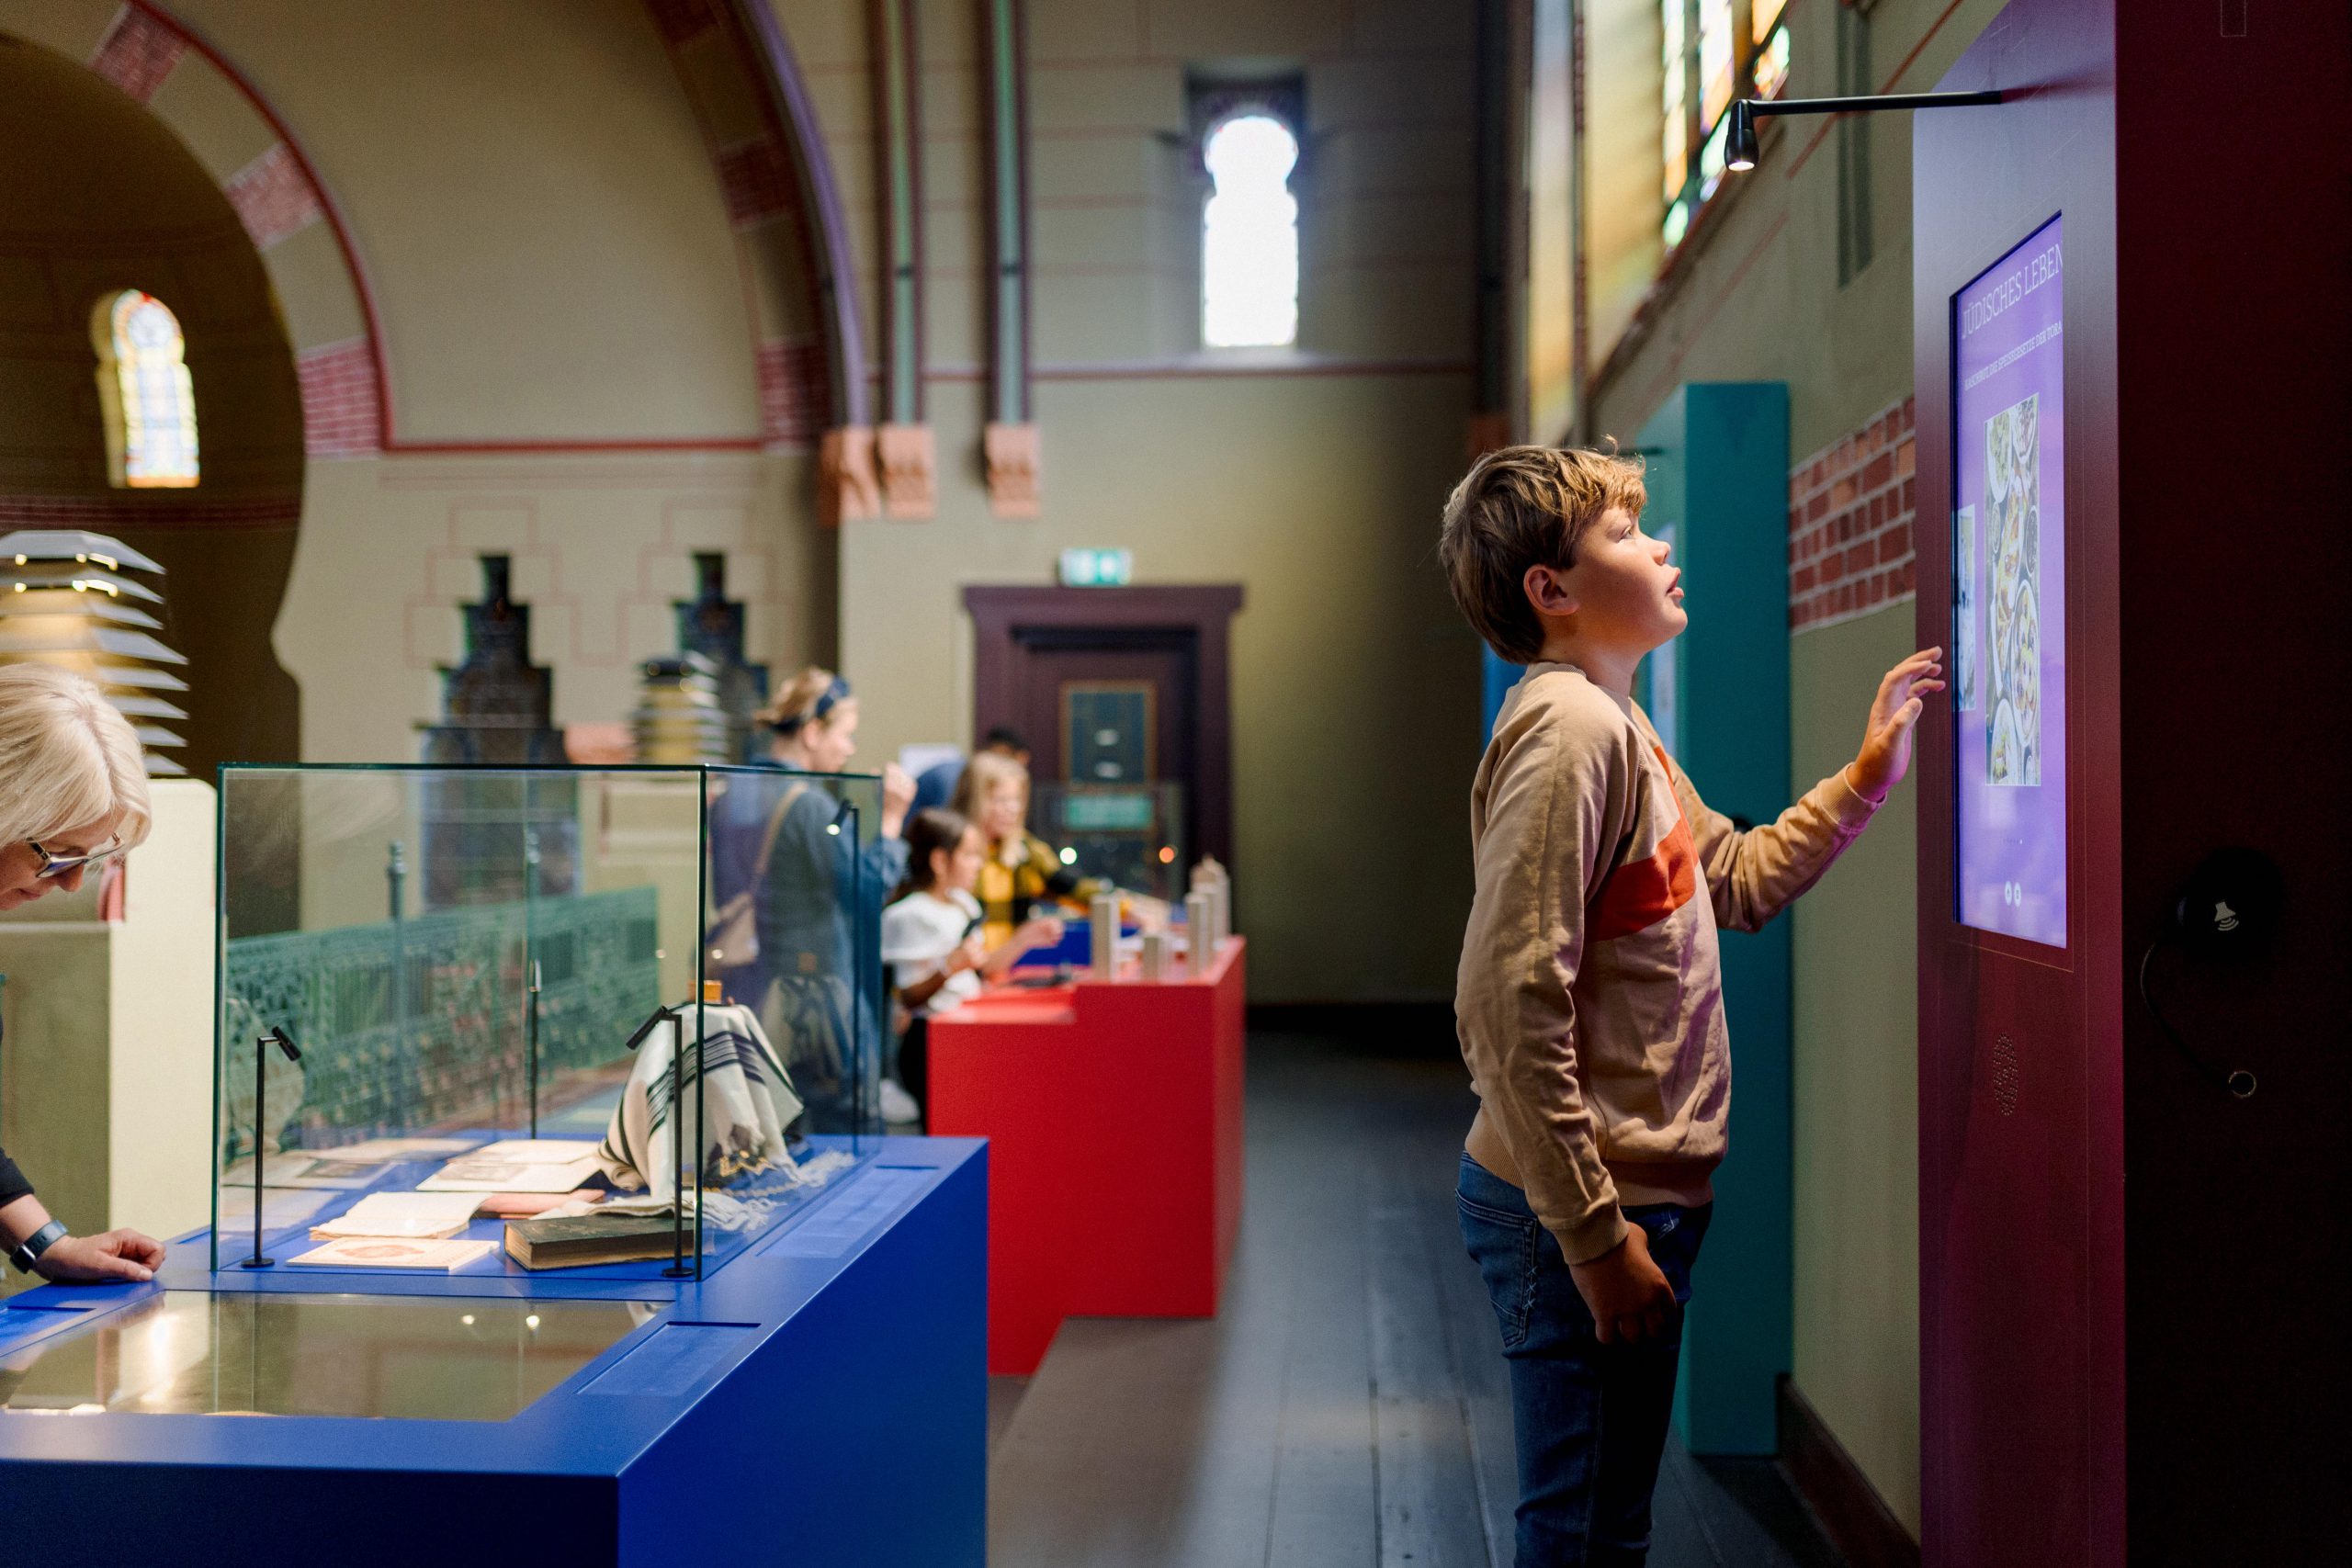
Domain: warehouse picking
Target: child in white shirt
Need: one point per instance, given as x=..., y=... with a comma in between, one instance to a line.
x=931, y=932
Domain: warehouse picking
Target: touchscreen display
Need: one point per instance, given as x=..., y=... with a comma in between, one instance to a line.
x=2009, y=593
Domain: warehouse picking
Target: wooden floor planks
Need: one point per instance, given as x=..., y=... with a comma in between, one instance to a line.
x=1348, y=1408
x=1429, y=1487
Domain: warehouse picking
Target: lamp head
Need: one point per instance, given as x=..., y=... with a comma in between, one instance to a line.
x=277, y=1037
x=649, y=1026
x=1740, y=140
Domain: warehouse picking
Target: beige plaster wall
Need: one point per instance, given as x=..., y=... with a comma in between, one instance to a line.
x=602, y=547
x=1756, y=297
x=1856, y=1083
x=534, y=205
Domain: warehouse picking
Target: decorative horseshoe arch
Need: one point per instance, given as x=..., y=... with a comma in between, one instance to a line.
x=800, y=288
x=329, y=314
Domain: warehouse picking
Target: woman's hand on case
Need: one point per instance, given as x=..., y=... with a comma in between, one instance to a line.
x=91, y=1259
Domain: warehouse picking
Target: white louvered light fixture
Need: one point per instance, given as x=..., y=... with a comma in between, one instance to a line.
x=65, y=600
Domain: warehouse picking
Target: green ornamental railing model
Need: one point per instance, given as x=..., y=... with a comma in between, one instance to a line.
x=420, y=1024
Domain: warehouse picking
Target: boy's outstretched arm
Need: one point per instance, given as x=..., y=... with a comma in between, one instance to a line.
x=1753, y=875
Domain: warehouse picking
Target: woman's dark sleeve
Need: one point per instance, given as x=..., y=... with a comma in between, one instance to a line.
x=13, y=1184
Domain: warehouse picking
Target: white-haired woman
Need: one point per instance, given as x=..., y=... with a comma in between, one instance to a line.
x=72, y=795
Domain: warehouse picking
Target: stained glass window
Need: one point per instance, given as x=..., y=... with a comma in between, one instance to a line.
x=1714, y=61
x=1676, y=125
x=1772, y=65
x=144, y=391
x=1712, y=52
x=1249, y=236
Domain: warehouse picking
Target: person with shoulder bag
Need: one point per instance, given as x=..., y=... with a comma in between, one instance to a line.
x=819, y=993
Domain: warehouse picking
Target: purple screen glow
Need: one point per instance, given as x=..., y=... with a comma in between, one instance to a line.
x=2008, y=660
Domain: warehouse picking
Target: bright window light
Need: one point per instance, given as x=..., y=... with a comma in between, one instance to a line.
x=145, y=393
x=1249, y=236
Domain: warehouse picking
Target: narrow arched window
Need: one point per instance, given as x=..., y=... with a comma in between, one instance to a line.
x=144, y=392
x=1249, y=236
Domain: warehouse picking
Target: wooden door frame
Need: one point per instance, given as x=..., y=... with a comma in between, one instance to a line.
x=1003, y=618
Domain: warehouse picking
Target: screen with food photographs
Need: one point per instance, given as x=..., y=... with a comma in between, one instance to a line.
x=2009, y=593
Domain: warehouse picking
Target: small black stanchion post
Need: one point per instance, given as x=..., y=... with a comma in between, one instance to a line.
x=531, y=1045
x=261, y=1043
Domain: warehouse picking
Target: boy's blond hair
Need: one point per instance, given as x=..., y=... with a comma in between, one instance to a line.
x=1519, y=507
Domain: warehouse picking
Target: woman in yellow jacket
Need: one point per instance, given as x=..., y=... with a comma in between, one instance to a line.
x=1021, y=870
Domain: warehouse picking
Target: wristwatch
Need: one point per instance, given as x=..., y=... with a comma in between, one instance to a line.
x=27, y=1253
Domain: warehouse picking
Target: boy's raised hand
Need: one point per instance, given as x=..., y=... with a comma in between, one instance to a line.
x=1885, y=755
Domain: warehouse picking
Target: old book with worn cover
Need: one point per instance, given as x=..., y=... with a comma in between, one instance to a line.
x=575, y=1241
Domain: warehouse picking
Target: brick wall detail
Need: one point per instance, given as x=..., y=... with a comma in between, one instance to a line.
x=794, y=398
x=342, y=416
x=1851, y=524
x=274, y=198
x=757, y=179
x=137, y=53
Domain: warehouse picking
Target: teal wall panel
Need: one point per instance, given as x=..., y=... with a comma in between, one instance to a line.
x=1718, y=456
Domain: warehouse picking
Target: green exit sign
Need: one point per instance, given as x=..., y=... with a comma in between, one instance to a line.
x=1098, y=569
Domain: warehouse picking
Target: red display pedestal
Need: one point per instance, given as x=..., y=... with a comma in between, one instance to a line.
x=1113, y=1111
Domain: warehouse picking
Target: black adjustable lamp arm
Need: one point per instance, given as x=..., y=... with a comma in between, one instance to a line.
x=652, y=1022
x=1739, y=136
x=1870, y=102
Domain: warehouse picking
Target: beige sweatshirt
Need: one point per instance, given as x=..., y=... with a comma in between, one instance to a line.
x=1589, y=1000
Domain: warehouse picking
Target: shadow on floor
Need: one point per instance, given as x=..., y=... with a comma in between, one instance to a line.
x=1347, y=1407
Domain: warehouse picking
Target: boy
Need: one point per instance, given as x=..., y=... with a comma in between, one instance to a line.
x=1588, y=1003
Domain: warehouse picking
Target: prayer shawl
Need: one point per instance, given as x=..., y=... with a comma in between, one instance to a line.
x=746, y=1102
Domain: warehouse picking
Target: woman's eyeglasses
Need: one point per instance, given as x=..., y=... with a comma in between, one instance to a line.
x=55, y=865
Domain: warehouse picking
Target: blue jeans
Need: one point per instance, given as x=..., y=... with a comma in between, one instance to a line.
x=1591, y=1419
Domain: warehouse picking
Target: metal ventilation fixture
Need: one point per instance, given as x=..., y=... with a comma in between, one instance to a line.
x=69, y=602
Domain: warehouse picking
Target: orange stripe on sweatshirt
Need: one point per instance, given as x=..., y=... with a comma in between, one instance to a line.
x=1640, y=893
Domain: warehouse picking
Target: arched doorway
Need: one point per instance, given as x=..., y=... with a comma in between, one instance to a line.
x=97, y=197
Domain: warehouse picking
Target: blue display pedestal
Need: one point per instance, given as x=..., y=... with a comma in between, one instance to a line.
x=1718, y=459
x=820, y=1397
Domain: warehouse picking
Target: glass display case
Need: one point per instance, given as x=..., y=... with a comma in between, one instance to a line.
x=1128, y=834
x=641, y=1009
x=256, y=1353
